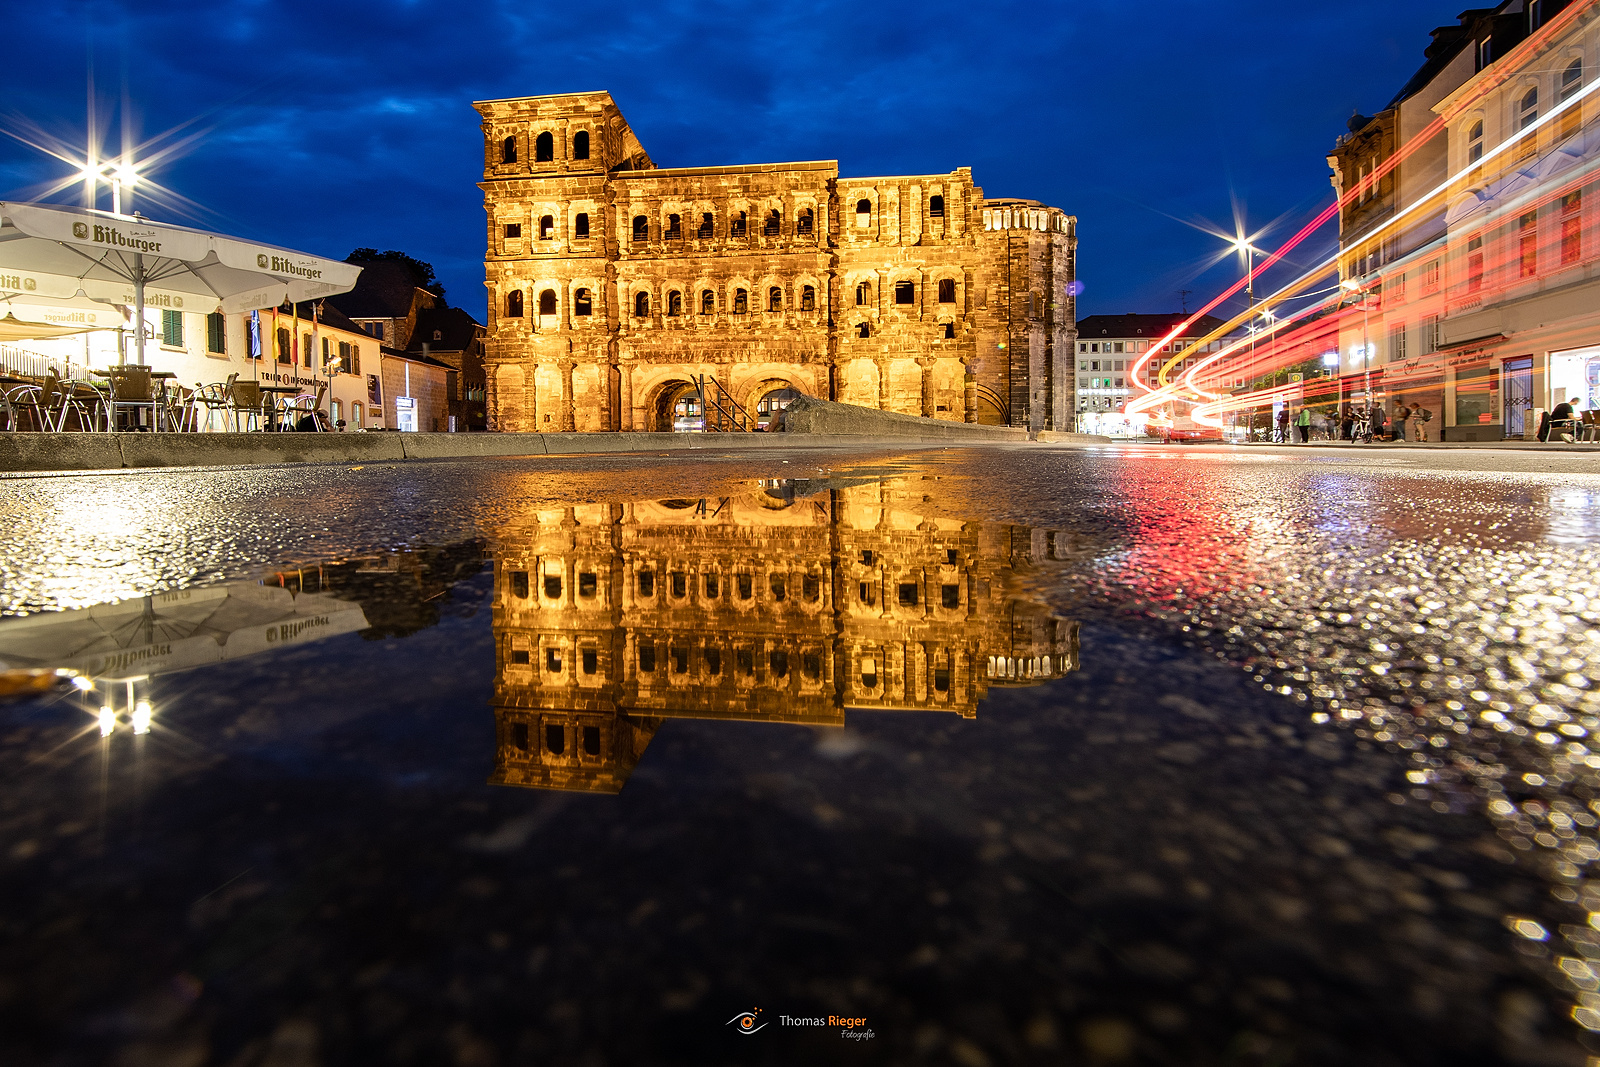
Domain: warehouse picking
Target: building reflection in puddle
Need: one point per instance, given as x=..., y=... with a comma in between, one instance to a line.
x=610, y=619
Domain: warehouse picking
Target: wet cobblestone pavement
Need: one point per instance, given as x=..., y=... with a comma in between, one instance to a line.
x=1014, y=756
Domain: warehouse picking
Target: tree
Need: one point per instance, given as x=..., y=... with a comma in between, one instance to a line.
x=423, y=271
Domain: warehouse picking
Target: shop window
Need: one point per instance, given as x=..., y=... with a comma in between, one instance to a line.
x=936, y=206
x=674, y=303
x=641, y=305
x=708, y=302
x=591, y=734
x=513, y=231
x=803, y=223
x=908, y=594
x=555, y=739
x=741, y=302
x=547, y=302
x=590, y=660
x=544, y=148
x=770, y=227
x=580, y=225
x=582, y=303
x=674, y=227
x=713, y=661
x=552, y=660
x=508, y=150
x=947, y=290
x=774, y=299
x=587, y=584
x=647, y=657
x=740, y=223
x=514, y=304
x=707, y=226
x=808, y=298
x=950, y=596
x=905, y=292
x=647, y=583
x=580, y=145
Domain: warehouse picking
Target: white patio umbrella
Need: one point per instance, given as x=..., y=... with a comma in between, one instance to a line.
x=65, y=256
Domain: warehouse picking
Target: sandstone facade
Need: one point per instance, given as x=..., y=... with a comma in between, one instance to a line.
x=616, y=286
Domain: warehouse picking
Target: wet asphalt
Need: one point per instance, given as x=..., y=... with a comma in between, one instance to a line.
x=1321, y=792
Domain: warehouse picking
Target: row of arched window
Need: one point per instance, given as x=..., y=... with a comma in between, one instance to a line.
x=544, y=147
x=905, y=292
x=1526, y=112
x=583, y=302
x=738, y=225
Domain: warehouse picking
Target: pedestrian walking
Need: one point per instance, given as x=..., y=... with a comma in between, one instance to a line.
x=1283, y=425
x=1303, y=424
x=1401, y=417
x=1347, y=422
x=1419, y=423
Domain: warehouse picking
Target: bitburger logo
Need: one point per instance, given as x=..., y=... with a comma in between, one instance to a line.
x=80, y=230
x=261, y=261
x=746, y=1022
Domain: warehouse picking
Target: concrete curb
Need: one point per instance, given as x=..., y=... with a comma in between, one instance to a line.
x=1385, y=446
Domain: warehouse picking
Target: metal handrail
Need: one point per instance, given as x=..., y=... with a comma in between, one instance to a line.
x=731, y=415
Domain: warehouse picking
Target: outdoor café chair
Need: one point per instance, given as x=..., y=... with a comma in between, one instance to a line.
x=132, y=390
x=306, y=405
x=248, y=404
x=214, y=399
x=23, y=400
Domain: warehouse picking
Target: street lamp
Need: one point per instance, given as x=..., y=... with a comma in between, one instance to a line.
x=1365, y=291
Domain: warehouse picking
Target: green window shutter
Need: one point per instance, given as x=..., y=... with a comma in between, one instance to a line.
x=216, y=335
x=172, y=328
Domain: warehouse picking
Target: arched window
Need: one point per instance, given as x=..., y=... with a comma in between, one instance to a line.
x=808, y=298
x=803, y=222
x=1475, y=142
x=582, y=303
x=905, y=292
x=740, y=221
x=863, y=330
x=770, y=227
x=741, y=302
x=775, y=299
x=641, y=228
x=708, y=302
x=547, y=302
x=1528, y=108
x=547, y=227
x=674, y=227
x=936, y=207
x=705, y=225
x=580, y=145
x=514, y=304
x=1571, y=80
x=674, y=303
x=863, y=294
x=508, y=150
x=580, y=225
x=947, y=290
x=641, y=304
x=544, y=148
x=863, y=214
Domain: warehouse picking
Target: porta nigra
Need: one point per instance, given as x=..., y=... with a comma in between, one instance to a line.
x=623, y=296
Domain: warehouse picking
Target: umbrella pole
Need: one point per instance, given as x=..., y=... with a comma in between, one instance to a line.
x=138, y=300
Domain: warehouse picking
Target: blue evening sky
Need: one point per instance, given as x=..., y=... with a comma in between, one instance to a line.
x=328, y=126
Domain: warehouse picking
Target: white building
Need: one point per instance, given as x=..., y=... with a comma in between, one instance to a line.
x=1108, y=348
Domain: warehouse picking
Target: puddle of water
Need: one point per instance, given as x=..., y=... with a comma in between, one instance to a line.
x=591, y=782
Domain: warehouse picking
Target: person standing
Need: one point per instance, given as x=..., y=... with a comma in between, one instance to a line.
x=1303, y=424
x=1401, y=417
x=1283, y=424
x=1419, y=423
x=1347, y=422
x=1377, y=423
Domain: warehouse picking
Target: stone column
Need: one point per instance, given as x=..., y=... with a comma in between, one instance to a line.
x=928, y=405
x=883, y=384
x=626, y=400
x=568, y=420
x=969, y=398
x=491, y=396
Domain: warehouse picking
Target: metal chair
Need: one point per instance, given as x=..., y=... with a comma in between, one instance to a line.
x=248, y=402
x=215, y=399
x=132, y=391
x=24, y=400
x=303, y=406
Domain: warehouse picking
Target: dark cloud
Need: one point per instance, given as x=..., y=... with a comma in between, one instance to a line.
x=330, y=126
